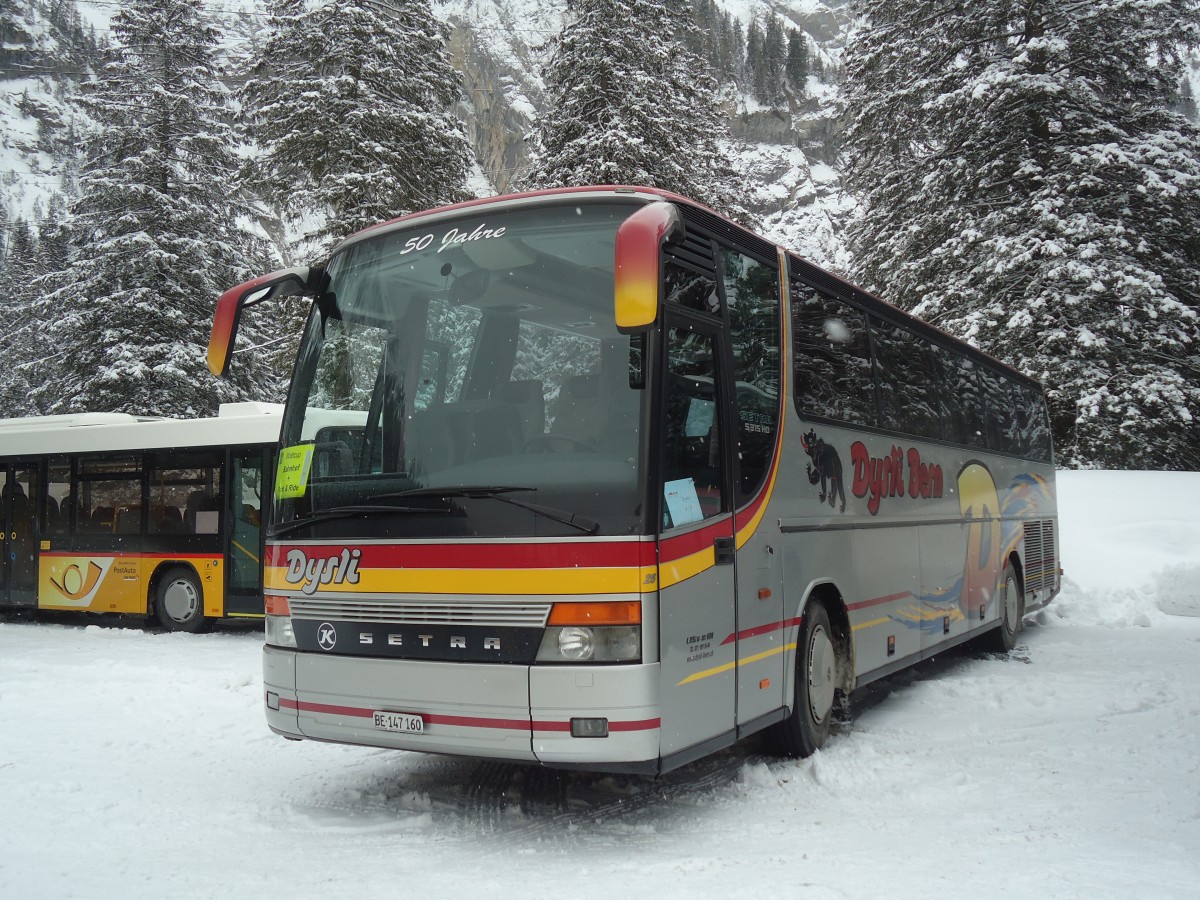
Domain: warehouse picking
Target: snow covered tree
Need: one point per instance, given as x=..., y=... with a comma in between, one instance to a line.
x=628, y=104
x=352, y=105
x=796, y=66
x=152, y=236
x=1027, y=185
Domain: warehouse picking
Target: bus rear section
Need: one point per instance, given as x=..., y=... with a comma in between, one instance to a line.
x=515, y=675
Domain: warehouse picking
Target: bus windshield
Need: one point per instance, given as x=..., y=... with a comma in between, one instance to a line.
x=464, y=377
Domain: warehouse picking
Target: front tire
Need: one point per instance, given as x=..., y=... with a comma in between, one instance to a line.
x=818, y=663
x=179, y=601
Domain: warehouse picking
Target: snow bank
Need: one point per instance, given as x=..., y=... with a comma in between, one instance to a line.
x=1130, y=544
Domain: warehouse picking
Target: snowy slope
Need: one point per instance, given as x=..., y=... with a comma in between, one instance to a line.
x=799, y=197
x=138, y=765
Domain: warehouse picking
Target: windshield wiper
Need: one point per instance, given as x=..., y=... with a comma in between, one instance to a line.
x=345, y=512
x=479, y=492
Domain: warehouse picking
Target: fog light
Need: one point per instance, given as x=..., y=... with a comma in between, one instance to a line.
x=589, y=728
x=272, y=700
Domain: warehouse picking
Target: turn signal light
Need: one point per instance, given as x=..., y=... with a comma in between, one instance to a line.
x=612, y=612
x=274, y=605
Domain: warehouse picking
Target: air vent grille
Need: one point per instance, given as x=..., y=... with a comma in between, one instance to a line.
x=1039, y=556
x=423, y=612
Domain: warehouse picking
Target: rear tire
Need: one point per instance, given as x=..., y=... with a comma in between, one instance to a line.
x=179, y=601
x=1004, y=638
x=818, y=663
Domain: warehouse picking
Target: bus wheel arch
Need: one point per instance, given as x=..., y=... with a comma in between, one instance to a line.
x=822, y=674
x=177, y=596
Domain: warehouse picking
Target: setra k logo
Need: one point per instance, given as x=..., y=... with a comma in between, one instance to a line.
x=326, y=636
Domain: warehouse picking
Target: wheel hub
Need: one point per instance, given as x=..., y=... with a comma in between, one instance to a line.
x=822, y=675
x=180, y=600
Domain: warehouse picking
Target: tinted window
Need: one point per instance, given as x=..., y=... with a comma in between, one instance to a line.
x=690, y=288
x=907, y=386
x=999, y=399
x=1032, y=424
x=831, y=358
x=752, y=298
x=960, y=398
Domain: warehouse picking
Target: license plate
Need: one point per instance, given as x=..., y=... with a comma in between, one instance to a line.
x=405, y=723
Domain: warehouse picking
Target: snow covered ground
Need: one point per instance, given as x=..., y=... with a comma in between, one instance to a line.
x=136, y=764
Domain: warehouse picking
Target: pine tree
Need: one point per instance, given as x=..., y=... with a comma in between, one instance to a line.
x=774, y=62
x=352, y=105
x=1026, y=185
x=796, y=67
x=124, y=326
x=626, y=104
x=756, y=84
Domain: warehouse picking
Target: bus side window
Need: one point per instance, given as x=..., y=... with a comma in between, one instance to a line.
x=907, y=383
x=752, y=298
x=961, y=399
x=832, y=358
x=1001, y=405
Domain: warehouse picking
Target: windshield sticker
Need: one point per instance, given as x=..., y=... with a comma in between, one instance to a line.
x=452, y=238
x=683, y=503
x=291, y=479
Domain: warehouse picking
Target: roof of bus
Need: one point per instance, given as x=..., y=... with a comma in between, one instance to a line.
x=841, y=286
x=235, y=424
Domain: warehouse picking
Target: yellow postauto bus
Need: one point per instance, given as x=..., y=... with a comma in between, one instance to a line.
x=115, y=513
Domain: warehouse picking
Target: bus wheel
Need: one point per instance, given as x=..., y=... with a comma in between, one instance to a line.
x=179, y=601
x=817, y=665
x=1004, y=638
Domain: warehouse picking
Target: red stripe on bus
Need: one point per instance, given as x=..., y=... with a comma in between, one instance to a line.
x=760, y=630
x=678, y=547
x=463, y=721
x=890, y=598
x=550, y=555
x=326, y=708
x=642, y=725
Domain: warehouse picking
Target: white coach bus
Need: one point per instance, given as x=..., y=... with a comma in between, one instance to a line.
x=596, y=478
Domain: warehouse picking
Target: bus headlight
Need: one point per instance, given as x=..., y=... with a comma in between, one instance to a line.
x=279, y=631
x=593, y=631
x=576, y=643
x=601, y=643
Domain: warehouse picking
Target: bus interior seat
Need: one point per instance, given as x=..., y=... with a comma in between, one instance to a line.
x=197, y=501
x=495, y=431
x=128, y=519
x=166, y=519
x=579, y=411
x=527, y=396
x=52, y=513
x=432, y=441
x=101, y=518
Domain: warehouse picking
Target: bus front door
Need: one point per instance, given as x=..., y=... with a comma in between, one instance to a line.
x=19, y=494
x=697, y=574
x=244, y=537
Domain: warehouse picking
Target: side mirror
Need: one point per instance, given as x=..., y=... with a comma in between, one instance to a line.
x=639, y=250
x=284, y=283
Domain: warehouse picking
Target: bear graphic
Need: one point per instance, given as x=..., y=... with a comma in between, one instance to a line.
x=826, y=467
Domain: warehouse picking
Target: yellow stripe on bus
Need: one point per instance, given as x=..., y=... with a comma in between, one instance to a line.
x=627, y=580
x=717, y=670
x=870, y=624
